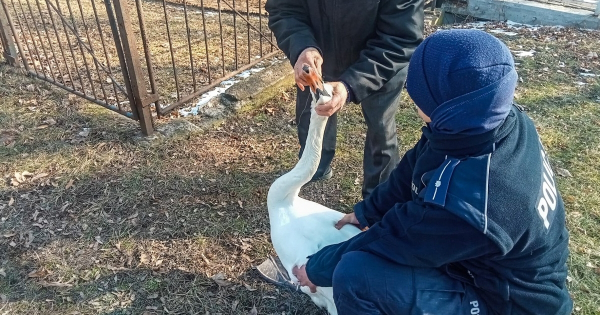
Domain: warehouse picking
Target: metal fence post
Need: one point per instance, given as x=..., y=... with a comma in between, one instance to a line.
x=6, y=38
x=141, y=99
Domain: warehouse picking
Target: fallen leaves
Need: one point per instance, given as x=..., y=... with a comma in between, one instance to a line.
x=69, y=184
x=30, y=239
x=55, y=284
x=20, y=177
x=563, y=172
x=24, y=176
x=8, y=137
x=221, y=280
x=39, y=273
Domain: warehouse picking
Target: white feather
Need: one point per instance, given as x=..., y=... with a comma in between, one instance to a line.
x=300, y=227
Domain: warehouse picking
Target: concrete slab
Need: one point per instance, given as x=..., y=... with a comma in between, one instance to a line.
x=525, y=12
x=258, y=84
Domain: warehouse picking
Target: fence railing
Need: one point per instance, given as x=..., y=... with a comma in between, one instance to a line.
x=139, y=58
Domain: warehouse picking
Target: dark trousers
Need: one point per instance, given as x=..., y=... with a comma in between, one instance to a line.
x=367, y=285
x=381, y=145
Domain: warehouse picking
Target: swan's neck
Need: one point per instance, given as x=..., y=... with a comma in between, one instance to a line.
x=286, y=188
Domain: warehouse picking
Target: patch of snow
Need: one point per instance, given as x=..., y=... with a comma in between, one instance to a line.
x=524, y=53
x=206, y=97
x=507, y=33
x=478, y=25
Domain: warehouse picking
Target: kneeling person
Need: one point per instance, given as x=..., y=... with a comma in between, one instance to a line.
x=470, y=221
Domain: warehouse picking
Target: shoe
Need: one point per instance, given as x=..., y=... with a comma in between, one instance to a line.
x=273, y=271
x=326, y=175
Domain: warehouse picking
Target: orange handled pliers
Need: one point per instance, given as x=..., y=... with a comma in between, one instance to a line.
x=314, y=80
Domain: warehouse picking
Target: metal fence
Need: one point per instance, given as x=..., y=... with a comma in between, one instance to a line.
x=139, y=58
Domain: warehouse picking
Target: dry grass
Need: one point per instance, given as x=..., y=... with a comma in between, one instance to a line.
x=111, y=223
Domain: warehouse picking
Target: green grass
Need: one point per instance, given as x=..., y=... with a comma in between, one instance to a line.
x=127, y=225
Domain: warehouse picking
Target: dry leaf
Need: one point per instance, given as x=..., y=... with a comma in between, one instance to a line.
x=2, y=272
x=234, y=305
x=85, y=132
x=29, y=239
x=144, y=259
x=152, y=296
x=240, y=203
x=12, y=244
x=49, y=121
x=563, y=172
x=11, y=201
x=3, y=298
x=40, y=273
x=69, y=184
x=7, y=235
x=38, y=176
x=26, y=173
x=249, y=288
x=56, y=284
x=19, y=177
x=220, y=279
x=253, y=311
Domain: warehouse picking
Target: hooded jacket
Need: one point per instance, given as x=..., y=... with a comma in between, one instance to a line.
x=367, y=44
x=484, y=208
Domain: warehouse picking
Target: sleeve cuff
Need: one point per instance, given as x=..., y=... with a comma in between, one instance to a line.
x=359, y=212
x=350, y=98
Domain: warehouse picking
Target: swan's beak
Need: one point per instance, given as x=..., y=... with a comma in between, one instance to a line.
x=322, y=92
x=315, y=81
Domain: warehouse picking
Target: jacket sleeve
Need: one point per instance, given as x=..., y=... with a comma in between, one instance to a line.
x=409, y=234
x=399, y=31
x=396, y=189
x=289, y=22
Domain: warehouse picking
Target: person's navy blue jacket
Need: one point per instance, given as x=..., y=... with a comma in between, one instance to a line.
x=485, y=208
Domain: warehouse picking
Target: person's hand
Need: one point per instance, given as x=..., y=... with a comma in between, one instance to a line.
x=349, y=218
x=338, y=99
x=300, y=274
x=311, y=57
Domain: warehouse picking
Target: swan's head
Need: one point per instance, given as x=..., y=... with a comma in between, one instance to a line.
x=321, y=98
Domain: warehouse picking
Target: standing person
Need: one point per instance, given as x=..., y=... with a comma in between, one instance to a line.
x=362, y=48
x=471, y=221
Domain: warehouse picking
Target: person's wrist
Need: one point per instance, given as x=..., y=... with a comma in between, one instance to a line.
x=349, y=97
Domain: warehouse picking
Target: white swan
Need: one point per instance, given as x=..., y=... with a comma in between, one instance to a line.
x=299, y=227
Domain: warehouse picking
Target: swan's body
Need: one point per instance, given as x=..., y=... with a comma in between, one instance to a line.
x=299, y=227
